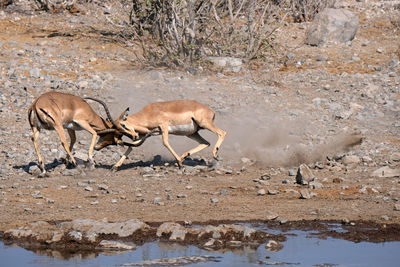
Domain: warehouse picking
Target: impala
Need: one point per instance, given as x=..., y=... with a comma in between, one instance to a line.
x=59, y=111
x=181, y=117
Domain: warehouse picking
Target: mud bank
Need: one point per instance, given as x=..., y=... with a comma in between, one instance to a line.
x=88, y=236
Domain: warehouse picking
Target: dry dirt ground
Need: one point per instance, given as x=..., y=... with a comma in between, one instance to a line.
x=198, y=193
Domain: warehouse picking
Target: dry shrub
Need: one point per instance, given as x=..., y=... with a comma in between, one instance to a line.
x=306, y=10
x=394, y=16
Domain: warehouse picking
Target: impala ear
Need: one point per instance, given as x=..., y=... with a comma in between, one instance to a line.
x=123, y=115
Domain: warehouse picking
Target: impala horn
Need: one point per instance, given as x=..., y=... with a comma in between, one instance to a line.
x=109, y=118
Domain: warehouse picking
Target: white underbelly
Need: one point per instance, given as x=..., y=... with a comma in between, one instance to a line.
x=185, y=129
x=73, y=126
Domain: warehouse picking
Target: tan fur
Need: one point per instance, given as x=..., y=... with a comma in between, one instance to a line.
x=181, y=117
x=56, y=111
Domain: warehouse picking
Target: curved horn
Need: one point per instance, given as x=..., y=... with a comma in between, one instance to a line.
x=106, y=131
x=141, y=140
x=107, y=110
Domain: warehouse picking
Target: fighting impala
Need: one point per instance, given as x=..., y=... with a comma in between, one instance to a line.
x=181, y=117
x=59, y=111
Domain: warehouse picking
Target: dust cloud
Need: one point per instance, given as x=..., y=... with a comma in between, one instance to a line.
x=275, y=142
x=254, y=133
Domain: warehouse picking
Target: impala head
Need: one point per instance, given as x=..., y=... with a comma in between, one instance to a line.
x=113, y=136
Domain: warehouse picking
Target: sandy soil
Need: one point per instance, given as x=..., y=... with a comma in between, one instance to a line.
x=197, y=193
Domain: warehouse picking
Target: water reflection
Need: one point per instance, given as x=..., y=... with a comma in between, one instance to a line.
x=300, y=248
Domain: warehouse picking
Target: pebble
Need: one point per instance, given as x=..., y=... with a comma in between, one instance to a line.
x=261, y=192
x=214, y=200
x=305, y=194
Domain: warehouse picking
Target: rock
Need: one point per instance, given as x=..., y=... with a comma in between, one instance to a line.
x=56, y=237
x=395, y=157
x=292, y=172
x=35, y=73
x=261, y=192
x=304, y=174
x=102, y=187
x=158, y=201
x=209, y=243
x=336, y=25
x=273, y=192
x=75, y=235
x=179, y=261
x=271, y=216
x=397, y=207
x=147, y=170
x=114, y=245
x=228, y=63
x=214, y=200
x=305, y=194
x=92, y=229
x=315, y=185
x=83, y=84
x=34, y=170
x=348, y=160
x=283, y=221
x=273, y=246
x=176, y=230
x=386, y=172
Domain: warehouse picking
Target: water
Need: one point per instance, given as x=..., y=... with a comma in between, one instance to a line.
x=299, y=250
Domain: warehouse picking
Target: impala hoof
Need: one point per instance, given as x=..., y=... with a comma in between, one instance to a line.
x=217, y=158
x=43, y=174
x=114, y=169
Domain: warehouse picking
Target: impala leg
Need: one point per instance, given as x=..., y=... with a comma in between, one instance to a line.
x=203, y=143
x=221, y=136
x=72, y=138
x=123, y=158
x=164, y=133
x=61, y=134
x=85, y=125
x=35, y=140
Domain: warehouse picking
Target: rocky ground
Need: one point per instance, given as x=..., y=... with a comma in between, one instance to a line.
x=302, y=106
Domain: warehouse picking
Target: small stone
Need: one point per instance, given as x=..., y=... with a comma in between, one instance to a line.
x=395, y=156
x=304, y=174
x=75, y=235
x=273, y=192
x=353, y=159
x=271, y=216
x=273, y=246
x=305, y=194
x=261, y=192
x=386, y=172
x=88, y=188
x=209, y=243
x=315, y=185
x=337, y=180
x=283, y=221
x=397, y=207
x=214, y=200
x=114, y=245
x=102, y=187
x=157, y=200
x=385, y=217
